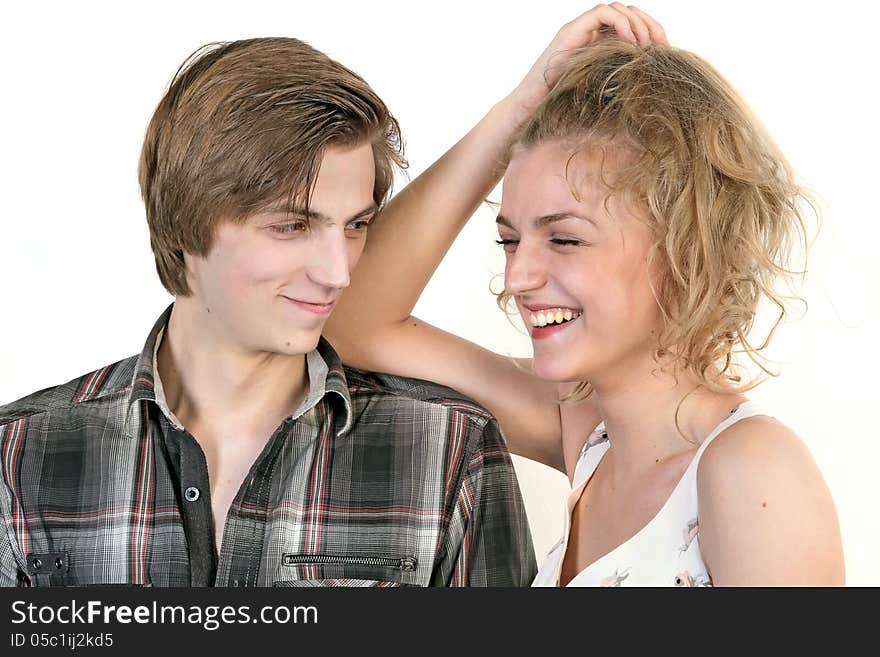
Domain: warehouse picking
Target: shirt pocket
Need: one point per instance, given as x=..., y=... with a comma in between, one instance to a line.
x=348, y=570
x=49, y=569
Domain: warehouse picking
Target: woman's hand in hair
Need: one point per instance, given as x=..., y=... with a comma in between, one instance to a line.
x=602, y=21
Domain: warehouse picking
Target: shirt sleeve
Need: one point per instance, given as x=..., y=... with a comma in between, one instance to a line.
x=8, y=564
x=488, y=542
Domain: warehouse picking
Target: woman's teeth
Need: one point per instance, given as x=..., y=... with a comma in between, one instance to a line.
x=552, y=316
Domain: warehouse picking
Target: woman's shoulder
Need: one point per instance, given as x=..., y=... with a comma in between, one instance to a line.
x=751, y=449
x=760, y=493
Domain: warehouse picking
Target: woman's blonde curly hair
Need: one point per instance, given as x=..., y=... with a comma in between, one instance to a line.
x=719, y=196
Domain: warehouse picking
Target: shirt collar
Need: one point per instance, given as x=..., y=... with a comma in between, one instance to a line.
x=158, y=389
x=326, y=379
x=336, y=385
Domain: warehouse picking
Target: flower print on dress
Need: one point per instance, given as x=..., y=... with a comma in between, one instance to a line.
x=598, y=436
x=686, y=580
x=615, y=579
x=690, y=533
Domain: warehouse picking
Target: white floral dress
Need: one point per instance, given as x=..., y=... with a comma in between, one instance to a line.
x=666, y=551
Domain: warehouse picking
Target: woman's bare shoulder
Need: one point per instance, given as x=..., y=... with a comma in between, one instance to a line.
x=761, y=494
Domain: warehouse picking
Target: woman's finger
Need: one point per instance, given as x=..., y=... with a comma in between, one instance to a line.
x=584, y=29
x=658, y=34
x=636, y=23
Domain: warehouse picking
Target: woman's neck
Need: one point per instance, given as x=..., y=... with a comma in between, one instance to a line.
x=640, y=408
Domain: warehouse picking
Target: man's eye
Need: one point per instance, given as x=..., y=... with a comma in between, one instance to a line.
x=360, y=224
x=293, y=227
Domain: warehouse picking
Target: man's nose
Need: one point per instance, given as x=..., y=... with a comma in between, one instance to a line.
x=330, y=264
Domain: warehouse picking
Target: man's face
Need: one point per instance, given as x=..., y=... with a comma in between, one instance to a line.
x=269, y=284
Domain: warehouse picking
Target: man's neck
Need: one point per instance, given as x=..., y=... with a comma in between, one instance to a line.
x=210, y=382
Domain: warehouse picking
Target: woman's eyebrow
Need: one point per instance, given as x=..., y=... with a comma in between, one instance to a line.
x=540, y=222
x=546, y=219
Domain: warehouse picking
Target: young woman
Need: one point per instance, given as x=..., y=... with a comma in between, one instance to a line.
x=644, y=216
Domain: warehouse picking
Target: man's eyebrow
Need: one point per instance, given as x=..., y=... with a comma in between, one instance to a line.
x=546, y=219
x=320, y=216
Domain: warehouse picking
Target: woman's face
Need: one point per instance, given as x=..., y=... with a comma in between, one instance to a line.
x=580, y=259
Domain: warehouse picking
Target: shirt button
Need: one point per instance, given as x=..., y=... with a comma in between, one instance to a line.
x=191, y=494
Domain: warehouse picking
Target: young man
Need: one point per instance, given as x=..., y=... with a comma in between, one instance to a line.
x=236, y=450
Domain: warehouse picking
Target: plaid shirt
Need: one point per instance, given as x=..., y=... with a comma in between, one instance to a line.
x=379, y=481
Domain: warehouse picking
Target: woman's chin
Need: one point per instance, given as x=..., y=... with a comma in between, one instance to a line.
x=557, y=370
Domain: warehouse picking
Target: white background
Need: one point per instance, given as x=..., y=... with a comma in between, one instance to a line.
x=80, y=80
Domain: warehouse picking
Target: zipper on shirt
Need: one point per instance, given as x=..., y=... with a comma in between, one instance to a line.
x=406, y=564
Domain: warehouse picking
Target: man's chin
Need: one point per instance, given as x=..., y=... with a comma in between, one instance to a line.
x=301, y=344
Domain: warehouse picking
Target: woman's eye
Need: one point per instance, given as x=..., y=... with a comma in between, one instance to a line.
x=360, y=224
x=508, y=245
x=565, y=242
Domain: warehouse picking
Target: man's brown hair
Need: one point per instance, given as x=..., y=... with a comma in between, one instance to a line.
x=243, y=125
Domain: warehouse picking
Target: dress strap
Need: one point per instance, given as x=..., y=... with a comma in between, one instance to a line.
x=592, y=451
x=745, y=410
